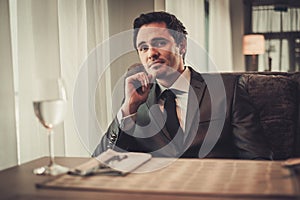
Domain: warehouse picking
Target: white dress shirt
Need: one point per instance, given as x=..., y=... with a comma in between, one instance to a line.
x=182, y=84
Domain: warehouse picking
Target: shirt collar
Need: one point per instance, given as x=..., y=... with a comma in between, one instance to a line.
x=182, y=83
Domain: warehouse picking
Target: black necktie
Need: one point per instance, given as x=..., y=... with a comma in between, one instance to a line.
x=172, y=122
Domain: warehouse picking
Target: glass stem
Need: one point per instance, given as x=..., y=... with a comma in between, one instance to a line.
x=51, y=147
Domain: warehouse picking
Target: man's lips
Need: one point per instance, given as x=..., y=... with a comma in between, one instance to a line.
x=156, y=63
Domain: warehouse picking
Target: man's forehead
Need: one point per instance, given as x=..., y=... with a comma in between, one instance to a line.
x=150, y=31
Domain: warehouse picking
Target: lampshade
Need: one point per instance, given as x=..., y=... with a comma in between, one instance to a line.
x=253, y=44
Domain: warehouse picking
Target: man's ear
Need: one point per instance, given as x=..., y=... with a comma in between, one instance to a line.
x=182, y=47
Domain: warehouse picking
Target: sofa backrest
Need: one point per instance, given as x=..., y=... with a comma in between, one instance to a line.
x=276, y=97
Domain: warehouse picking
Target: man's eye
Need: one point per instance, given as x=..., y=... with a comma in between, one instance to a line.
x=143, y=48
x=160, y=43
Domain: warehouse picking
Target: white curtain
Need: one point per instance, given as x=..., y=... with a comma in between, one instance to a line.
x=40, y=39
x=88, y=21
x=191, y=13
x=266, y=19
x=220, y=44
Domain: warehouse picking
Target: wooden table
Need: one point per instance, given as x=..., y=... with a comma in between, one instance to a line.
x=20, y=183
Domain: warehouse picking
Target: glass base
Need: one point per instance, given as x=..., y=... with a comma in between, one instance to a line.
x=51, y=170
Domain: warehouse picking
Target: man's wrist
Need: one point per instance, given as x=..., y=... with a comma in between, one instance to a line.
x=126, y=122
x=128, y=109
x=130, y=115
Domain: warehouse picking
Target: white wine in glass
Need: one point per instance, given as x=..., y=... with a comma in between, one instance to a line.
x=50, y=105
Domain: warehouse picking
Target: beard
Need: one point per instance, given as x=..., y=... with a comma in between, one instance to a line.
x=164, y=74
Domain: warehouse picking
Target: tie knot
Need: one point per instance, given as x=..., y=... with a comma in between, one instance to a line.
x=168, y=94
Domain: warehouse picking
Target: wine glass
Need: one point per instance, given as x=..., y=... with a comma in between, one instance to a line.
x=50, y=105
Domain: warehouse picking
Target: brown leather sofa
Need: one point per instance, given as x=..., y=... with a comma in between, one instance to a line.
x=276, y=96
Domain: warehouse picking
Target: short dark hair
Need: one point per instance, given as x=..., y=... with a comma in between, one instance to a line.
x=176, y=28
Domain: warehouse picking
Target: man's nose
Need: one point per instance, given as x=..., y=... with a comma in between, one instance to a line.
x=153, y=53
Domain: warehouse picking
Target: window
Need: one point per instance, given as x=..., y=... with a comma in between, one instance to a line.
x=279, y=22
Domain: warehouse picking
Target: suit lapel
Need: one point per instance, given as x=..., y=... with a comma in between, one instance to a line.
x=153, y=95
x=144, y=116
x=196, y=92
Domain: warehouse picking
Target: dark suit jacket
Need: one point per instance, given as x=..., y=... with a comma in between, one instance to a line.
x=221, y=123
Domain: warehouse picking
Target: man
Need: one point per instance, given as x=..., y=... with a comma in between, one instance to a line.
x=169, y=110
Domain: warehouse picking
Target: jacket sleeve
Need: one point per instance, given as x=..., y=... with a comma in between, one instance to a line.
x=109, y=139
x=115, y=138
x=248, y=134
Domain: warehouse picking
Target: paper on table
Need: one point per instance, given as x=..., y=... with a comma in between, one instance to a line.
x=291, y=162
x=112, y=162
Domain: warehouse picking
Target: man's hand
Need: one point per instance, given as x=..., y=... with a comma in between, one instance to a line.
x=137, y=88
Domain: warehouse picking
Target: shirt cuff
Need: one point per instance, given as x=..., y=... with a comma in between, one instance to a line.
x=127, y=122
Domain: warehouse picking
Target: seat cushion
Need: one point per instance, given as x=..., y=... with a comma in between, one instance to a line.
x=275, y=98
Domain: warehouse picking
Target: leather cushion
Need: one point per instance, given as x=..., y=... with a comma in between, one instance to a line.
x=275, y=98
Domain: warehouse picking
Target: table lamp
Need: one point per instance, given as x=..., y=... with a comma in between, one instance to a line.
x=254, y=44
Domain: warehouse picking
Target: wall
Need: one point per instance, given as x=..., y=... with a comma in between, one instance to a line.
x=121, y=16
x=237, y=30
x=8, y=144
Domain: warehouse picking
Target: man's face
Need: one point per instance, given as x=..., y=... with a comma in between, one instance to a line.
x=158, y=51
